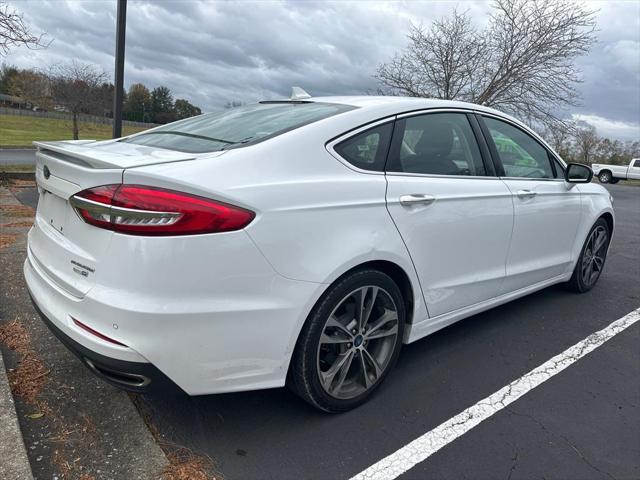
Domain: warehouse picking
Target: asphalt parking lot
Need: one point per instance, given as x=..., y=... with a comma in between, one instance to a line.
x=583, y=423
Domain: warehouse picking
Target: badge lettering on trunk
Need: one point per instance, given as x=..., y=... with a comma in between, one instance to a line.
x=81, y=269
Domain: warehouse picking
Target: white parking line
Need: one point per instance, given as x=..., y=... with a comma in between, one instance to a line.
x=423, y=447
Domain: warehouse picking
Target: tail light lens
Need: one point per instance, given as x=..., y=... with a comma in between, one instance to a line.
x=142, y=210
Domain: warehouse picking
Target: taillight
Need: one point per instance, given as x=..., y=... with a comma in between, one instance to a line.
x=142, y=210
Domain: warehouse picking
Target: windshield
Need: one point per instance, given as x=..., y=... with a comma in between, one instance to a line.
x=236, y=127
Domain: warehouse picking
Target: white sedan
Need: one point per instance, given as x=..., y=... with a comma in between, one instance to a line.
x=301, y=242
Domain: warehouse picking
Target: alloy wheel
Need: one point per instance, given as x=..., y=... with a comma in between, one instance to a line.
x=357, y=342
x=594, y=255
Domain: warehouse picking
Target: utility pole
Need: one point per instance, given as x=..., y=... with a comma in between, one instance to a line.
x=119, y=75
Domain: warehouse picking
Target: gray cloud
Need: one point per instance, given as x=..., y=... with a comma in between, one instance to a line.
x=213, y=52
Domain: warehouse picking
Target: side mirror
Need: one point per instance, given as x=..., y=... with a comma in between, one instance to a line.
x=578, y=173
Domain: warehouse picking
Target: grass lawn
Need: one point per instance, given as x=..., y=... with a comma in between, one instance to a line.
x=19, y=131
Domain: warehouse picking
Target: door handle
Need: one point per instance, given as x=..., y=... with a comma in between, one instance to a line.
x=526, y=193
x=416, y=199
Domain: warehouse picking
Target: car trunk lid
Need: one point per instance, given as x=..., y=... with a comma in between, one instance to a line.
x=61, y=245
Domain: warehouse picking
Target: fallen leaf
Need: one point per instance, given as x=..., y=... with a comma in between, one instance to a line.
x=35, y=415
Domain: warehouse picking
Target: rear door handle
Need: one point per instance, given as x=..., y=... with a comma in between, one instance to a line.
x=526, y=193
x=416, y=199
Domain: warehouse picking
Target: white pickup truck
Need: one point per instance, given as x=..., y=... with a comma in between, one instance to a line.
x=615, y=173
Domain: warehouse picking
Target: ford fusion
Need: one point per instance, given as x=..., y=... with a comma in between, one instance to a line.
x=300, y=242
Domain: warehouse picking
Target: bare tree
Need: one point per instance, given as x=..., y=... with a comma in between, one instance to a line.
x=522, y=63
x=77, y=87
x=439, y=63
x=587, y=142
x=14, y=32
x=559, y=136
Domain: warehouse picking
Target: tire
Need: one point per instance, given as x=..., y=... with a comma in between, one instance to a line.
x=614, y=180
x=605, y=176
x=342, y=358
x=584, y=280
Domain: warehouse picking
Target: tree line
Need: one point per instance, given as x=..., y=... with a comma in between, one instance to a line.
x=79, y=88
x=581, y=143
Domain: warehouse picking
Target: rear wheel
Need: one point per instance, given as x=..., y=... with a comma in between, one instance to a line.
x=614, y=180
x=592, y=258
x=350, y=341
x=605, y=176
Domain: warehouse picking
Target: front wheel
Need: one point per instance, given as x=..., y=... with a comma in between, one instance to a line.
x=605, y=177
x=591, y=259
x=350, y=341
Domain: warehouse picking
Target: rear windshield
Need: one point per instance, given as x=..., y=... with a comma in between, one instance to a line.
x=236, y=127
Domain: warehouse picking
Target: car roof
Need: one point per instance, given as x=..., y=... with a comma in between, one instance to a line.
x=397, y=104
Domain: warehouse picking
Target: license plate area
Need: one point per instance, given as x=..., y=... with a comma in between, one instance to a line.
x=53, y=210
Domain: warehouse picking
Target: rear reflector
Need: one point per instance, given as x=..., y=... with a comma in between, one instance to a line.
x=97, y=334
x=142, y=210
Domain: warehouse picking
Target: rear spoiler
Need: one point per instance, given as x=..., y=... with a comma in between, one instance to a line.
x=71, y=153
x=111, y=154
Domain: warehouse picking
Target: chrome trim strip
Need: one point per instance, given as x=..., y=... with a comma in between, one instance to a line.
x=559, y=180
x=90, y=205
x=105, y=209
x=433, y=175
x=331, y=144
x=414, y=113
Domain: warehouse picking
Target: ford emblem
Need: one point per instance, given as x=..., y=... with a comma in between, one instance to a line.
x=46, y=172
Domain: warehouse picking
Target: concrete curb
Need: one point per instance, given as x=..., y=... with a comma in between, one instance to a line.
x=107, y=433
x=14, y=464
x=16, y=175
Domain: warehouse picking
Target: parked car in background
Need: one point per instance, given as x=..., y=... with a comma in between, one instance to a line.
x=615, y=173
x=302, y=241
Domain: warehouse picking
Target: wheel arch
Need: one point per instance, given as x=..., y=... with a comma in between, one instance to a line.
x=390, y=268
x=411, y=293
x=608, y=217
x=399, y=276
x=397, y=273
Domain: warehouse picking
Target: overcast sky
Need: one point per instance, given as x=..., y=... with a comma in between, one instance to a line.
x=213, y=52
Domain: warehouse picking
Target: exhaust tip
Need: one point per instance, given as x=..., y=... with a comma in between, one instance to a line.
x=126, y=379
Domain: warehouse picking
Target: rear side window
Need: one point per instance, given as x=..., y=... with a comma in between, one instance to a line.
x=636, y=163
x=367, y=150
x=521, y=155
x=436, y=144
x=236, y=127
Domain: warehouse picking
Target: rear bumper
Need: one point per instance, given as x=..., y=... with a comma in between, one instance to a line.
x=132, y=376
x=228, y=324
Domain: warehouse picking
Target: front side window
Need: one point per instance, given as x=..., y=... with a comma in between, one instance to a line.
x=236, y=127
x=636, y=163
x=367, y=150
x=436, y=144
x=521, y=155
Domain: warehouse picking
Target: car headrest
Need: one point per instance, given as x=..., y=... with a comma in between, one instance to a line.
x=436, y=140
